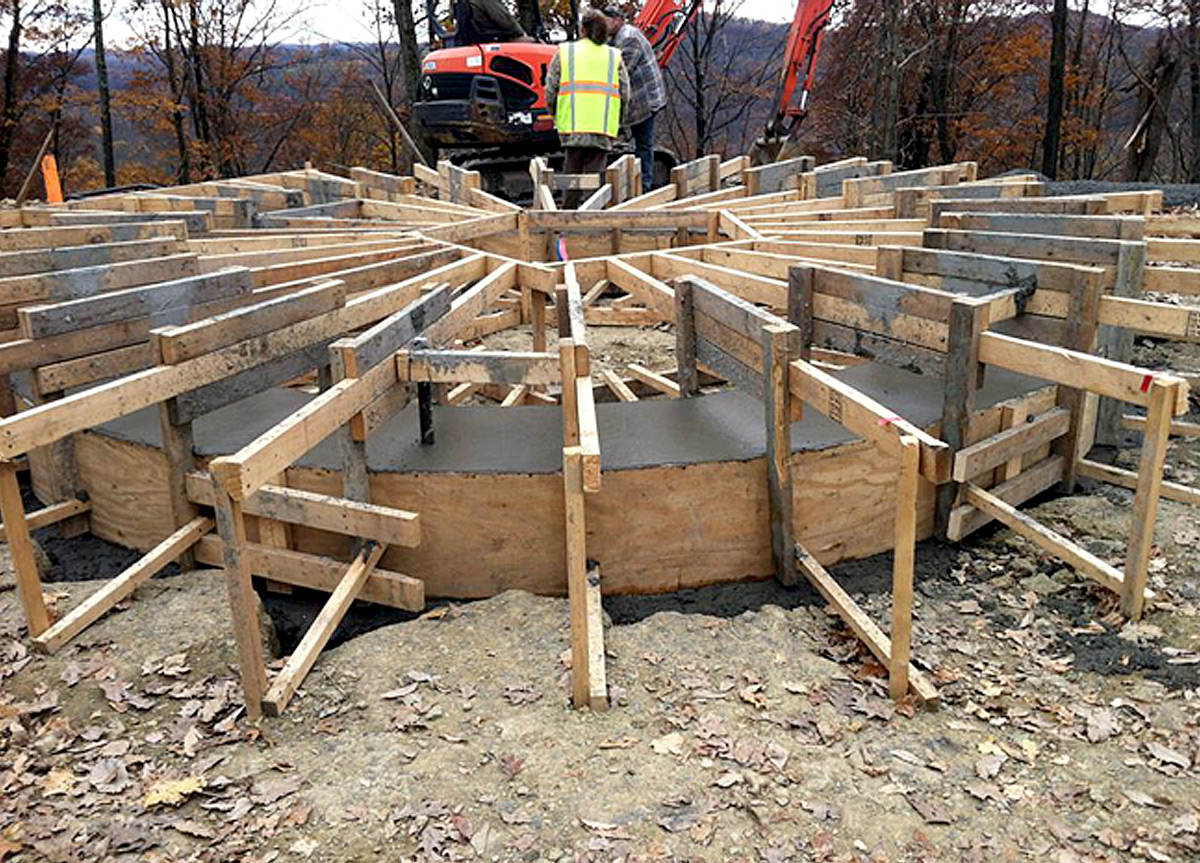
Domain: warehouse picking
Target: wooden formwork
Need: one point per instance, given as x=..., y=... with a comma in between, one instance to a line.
x=775, y=279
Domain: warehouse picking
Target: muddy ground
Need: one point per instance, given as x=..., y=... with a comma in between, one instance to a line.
x=746, y=725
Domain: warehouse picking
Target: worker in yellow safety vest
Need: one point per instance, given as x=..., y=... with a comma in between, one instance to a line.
x=586, y=87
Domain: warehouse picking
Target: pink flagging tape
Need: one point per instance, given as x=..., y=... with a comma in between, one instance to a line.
x=562, y=249
x=888, y=421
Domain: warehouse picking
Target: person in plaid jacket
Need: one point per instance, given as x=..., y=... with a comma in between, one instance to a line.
x=648, y=91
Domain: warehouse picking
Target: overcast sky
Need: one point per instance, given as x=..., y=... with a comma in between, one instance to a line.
x=331, y=21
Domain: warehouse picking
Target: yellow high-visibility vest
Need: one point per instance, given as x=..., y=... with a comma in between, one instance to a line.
x=589, y=96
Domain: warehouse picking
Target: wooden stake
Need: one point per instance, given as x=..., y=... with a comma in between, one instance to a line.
x=685, y=338
x=776, y=347
x=904, y=564
x=588, y=685
x=321, y=630
x=20, y=549
x=1163, y=398
x=243, y=604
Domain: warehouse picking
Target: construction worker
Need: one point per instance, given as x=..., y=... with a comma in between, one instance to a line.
x=478, y=22
x=648, y=91
x=586, y=89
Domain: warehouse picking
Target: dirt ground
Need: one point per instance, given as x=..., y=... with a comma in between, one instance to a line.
x=746, y=725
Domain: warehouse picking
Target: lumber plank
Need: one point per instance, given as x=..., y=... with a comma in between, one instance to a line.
x=1155, y=441
x=589, y=686
x=178, y=343
x=863, y=627
x=244, y=472
x=102, y=601
x=319, y=573
x=20, y=550
x=51, y=514
x=904, y=548
x=1074, y=555
x=654, y=380
x=481, y=367
x=1001, y=448
x=1128, y=479
x=284, y=686
x=353, y=518
x=966, y=519
x=243, y=604
x=1074, y=369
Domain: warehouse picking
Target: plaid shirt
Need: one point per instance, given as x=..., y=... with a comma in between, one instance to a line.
x=648, y=93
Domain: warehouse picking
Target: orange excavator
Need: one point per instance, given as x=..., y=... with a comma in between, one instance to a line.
x=484, y=106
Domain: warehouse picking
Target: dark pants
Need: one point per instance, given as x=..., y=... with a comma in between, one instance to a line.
x=643, y=148
x=582, y=160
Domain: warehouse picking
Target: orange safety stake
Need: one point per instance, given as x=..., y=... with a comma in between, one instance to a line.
x=50, y=178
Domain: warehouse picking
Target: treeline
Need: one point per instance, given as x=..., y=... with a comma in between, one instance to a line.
x=212, y=88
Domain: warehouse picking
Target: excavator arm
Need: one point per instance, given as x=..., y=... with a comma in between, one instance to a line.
x=664, y=22
x=800, y=66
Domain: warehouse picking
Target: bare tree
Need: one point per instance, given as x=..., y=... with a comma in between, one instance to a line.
x=718, y=85
x=106, y=127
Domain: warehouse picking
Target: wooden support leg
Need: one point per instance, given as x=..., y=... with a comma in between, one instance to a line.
x=20, y=549
x=904, y=564
x=589, y=687
x=64, y=473
x=777, y=409
x=181, y=460
x=1145, y=498
x=322, y=629
x=1080, y=328
x=243, y=604
x=962, y=379
x=103, y=600
x=685, y=339
x=8, y=400
x=537, y=320
x=1116, y=343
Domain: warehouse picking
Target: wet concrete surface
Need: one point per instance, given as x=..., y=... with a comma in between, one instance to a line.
x=722, y=426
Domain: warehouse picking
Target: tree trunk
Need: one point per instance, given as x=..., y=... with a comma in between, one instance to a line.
x=1054, y=101
x=1193, y=34
x=891, y=78
x=528, y=13
x=8, y=121
x=1154, y=101
x=184, y=173
x=409, y=52
x=106, y=130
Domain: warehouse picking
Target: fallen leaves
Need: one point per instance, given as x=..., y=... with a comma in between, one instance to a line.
x=668, y=744
x=57, y=781
x=931, y=810
x=172, y=792
x=109, y=776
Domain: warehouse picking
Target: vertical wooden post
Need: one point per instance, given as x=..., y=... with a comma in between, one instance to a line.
x=537, y=319
x=777, y=354
x=243, y=603
x=962, y=378
x=800, y=308
x=1145, y=499
x=904, y=563
x=685, y=338
x=179, y=451
x=1116, y=343
x=64, y=470
x=570, y=397
x=20, y=549
x=589, y=688
x=889, y=263
x=1079, y=334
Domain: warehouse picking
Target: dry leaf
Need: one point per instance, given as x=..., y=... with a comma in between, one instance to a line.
x=172, y=792
x=669, y=744
x=57, y=781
